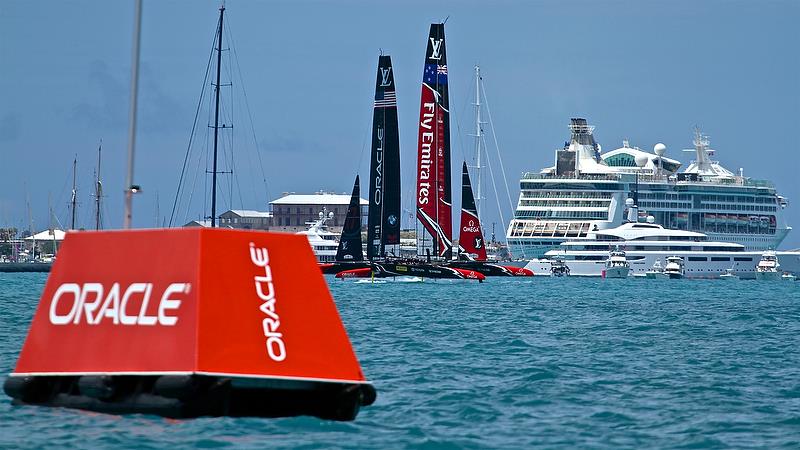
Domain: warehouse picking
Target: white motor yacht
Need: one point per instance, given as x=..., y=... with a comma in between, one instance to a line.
x=675, y=268
x=656, y=272
x=617, y=265
x=767, y=268
x=729, y=275
x=322, y=241
x=558, y=268
x=646, y=242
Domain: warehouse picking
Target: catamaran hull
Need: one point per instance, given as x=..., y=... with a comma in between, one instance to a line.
x=492, y=269
x=428, y=271
x=340, y=266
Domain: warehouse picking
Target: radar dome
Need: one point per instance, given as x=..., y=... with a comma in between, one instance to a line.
x=651, y=219
x=659, y=149
x=628, y=202
x=641, y=160
x=321, y=214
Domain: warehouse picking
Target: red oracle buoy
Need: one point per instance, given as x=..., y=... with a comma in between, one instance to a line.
x=186, y=323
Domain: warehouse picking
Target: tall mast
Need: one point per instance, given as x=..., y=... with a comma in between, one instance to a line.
x=74, y=200
x=30, y=222
x=131, y=188
x=478, y=137
x=98, y=189
x=216, y=123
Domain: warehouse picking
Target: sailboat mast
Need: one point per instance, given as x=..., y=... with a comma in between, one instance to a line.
x=130, y=188
x=478, y=137
x=74, y=200
x=97, y=190
x=216, y=123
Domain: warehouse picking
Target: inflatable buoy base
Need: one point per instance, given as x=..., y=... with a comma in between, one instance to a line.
x=188, y=396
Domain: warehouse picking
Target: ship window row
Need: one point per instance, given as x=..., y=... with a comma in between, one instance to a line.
x=564, y=194
x=555, y=214
x=719, y=223
x=550, y=229
x=664, y=196
x=738, y=199
x=578, y=185
x=739, y=207
x=674, y=205
x=566, y=203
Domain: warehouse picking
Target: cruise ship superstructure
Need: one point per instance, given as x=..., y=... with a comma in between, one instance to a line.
x=587, y=190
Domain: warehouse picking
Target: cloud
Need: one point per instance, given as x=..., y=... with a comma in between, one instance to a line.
x=109, y=102
x=110, y=95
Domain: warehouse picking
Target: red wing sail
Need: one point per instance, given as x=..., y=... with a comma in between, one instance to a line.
x=434, y=201
x=470, y=240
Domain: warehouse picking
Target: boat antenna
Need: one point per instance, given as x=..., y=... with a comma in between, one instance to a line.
x=216, y=122
x=131, y=188
x=445, y=19
x=74, y=200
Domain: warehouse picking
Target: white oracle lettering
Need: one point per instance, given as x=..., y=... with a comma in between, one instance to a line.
x=88, y=307
x=88, y=300
x=276, y=348
x=377, y=198
x=144, y=319
x=168, y=303
x=110, y=307
x=66, y=288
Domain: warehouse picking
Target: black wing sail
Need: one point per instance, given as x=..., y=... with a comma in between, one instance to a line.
x=470, y=239
x=350, y=242
x=383, y=222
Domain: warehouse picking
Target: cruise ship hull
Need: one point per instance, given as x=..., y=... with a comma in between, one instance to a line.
x=641, y=262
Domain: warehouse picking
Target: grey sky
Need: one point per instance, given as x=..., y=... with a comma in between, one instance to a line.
x=642, y=70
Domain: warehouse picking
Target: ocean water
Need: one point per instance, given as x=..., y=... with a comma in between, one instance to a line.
x=510, y=363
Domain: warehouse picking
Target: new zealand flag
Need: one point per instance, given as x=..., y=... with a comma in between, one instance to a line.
x=435, y=74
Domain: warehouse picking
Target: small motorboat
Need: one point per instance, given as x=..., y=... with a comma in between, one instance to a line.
x=558, y=268
x=656, y=272
x=617, y=266
x=767, y=268
x=729, y=274
x=788, y=277
x=675, y=268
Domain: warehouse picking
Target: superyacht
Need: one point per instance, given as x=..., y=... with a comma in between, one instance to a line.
x=587, y=190
x=648, y=245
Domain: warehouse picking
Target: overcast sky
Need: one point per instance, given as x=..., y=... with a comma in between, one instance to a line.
x=642, y=70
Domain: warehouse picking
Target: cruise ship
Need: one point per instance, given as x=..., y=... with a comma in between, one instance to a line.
x=587, y=190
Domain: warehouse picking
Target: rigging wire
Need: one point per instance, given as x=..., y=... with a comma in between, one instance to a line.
x=249, y=113
x=497, y=147
x=191, y=135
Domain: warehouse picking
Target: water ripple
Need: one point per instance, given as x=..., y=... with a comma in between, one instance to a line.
x=506, y=364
